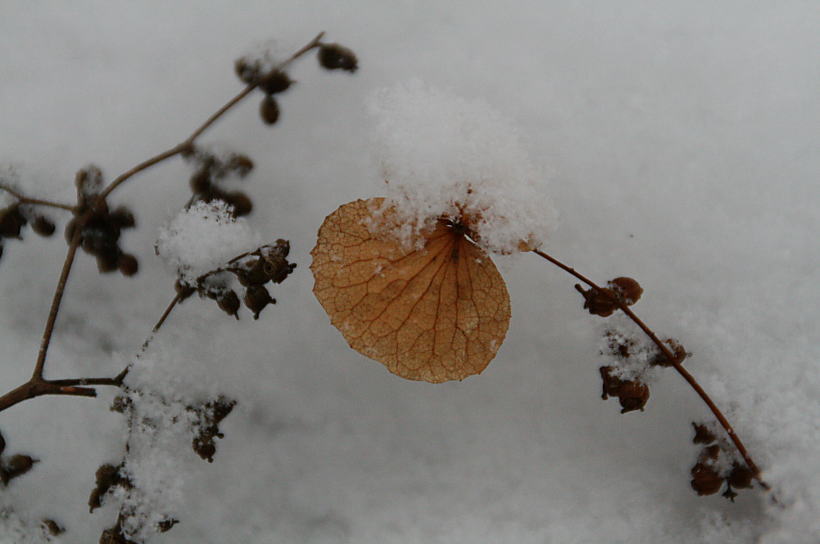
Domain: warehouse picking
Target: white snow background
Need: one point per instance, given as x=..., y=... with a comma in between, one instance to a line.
x=681, y=141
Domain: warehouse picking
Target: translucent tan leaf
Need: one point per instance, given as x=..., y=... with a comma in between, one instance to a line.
x=434, y=311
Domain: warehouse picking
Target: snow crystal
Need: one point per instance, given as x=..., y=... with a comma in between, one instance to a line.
x=445, y=156
x=203, y=238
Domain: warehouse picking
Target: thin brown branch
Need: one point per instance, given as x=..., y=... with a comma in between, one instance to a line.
x=22, y=199
x=36, y=388
x=119, y=180
x=676, y=363
x=166, y=313
x=55, y=305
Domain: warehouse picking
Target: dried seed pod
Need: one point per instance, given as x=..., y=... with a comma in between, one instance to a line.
x=633, y=395
x=17, y=465
x=228, y=302
x=122, y=218
x=257, y=274
x=43, y=226
x=678, y=351
x=107, y=261
x=11, y=221
x=269, y=110
x=600, y=302
x=705, y=479
x=709, y=453
x=257, y=298
x=246, y=70
x=128, y=264
x=274, y=82
x=627, y=289
x=241, y=164
x=242, y=204
x=166, y=525
x=333, y=56
x=702, y=434
x=183, y=289
x=740, y=477
x=52, y=527
x=201, y=181
x=107, y=476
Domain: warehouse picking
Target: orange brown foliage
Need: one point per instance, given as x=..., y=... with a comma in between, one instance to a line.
x=434, y=311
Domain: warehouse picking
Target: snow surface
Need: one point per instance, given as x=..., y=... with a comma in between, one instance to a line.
x=680, y=140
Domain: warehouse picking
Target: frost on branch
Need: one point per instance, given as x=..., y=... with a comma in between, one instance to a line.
x=204, y=237
x=444, y=156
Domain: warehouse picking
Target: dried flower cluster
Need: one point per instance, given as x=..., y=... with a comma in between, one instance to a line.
x=16, y=216
x=210, y=169
x=717, y=465
x=253, y=270
x=101, y=227
x=253, y=71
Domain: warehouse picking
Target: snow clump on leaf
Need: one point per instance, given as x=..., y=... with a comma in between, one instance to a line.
x=446, y=157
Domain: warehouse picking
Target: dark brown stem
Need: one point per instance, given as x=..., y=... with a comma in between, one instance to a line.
x=676, y=363
x=34, y=201
x=165, y=314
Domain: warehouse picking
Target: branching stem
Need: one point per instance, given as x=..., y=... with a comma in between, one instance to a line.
x=37, y=385
x=22, y=199
x=676, y=363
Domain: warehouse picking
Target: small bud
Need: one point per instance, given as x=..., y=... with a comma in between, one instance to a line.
x=122, y=218
x=246, y=71
x=18, y=465
x=242, y=204
x=740, y=477
x=702, y=434
x=128, y=264
x=269, y=110
x=627, y=289
x=43, y=226
x=600, y=302
x=256, y=299
x=52, y=527
x=229, y=303
x=709, y=453
x=705, y=480
x=336, y=57
x=201, y=181
x=107, y=261
x=241, y=164
x=107, y=476
x=89, y=182
x=11, y=221
x=206, y=449
x=165, y=525
x=276, y=81
x=256, y=274
x=183, y=289
x=633, y=395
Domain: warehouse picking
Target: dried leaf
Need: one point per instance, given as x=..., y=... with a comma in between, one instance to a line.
x=434, y=311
